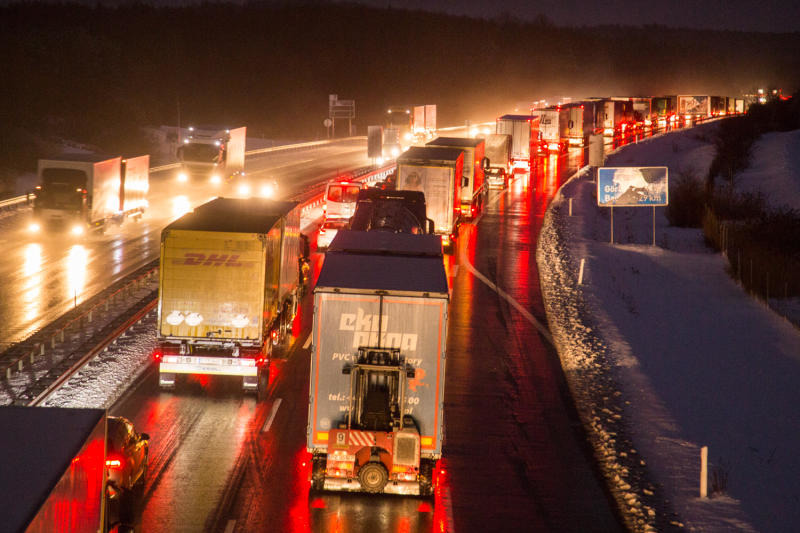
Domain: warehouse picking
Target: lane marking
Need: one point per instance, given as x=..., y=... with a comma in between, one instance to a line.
x=308, y=343
x=507, y=297
x=271, y=417
x=231, y=526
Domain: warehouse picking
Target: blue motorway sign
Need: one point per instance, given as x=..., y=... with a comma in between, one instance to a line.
x=632, y=186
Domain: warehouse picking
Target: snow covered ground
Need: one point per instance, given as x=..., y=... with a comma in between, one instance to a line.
x=774, y=169
x=665, y=353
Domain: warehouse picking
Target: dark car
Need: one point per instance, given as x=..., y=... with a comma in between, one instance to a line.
x=126, y=458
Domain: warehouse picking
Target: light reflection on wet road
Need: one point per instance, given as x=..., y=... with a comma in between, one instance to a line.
x=515, y=457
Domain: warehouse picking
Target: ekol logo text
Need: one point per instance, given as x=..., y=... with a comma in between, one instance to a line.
x=365, y=329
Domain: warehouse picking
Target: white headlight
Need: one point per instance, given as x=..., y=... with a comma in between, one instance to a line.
x=183, y=177
x=395, y=152
x=215, y=179
x=244, y=189
x=34, y=227
x=267, y=191
x=77, y=230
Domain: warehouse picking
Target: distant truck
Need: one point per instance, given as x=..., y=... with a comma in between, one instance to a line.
x=395, y=211
x=80, y=192
x=424, y=122
x=617, y=116
x=642, y=110
x=437, y=172
x=694, y=106
x=375, y=416
x=398, y=134
x=551, y=123
x=498, y=160
x=664, y=108
x=473, y=190
x=229, y=288
x=719, y=106
x=525, y=139
x=212, y=153
x=54, y=469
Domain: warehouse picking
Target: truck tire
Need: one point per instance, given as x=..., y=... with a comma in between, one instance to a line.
x=426, y=467
x=263, y=384
x=373, y=477
x=318, y=466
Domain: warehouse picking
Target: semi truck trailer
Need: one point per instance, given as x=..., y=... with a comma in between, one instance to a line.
x=525, y=139
x=472, y=189
x=498, y=160
x=376, y=387
x=229, y=287
x=436, y=172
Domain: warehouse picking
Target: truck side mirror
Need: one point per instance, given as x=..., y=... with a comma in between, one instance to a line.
x=485, y=163
x=431, y=227
x=465, y=182
x=347, y=369
x=410, y=373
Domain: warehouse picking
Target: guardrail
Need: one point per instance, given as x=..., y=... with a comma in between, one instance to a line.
x=13, y=203
x=58, y=336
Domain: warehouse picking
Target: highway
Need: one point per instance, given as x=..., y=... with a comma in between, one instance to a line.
x=515, y=455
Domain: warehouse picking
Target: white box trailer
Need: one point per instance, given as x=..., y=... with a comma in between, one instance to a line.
x=135, y=183
x=525, y=138
x=375, y=416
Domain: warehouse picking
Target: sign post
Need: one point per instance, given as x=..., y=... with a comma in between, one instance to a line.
x=632, y=187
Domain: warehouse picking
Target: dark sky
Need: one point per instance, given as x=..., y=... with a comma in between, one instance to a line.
x=748, y=15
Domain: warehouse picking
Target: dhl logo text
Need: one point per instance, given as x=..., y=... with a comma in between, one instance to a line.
x=198, y=259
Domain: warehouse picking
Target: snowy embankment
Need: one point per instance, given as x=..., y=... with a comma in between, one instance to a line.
x=665, y=354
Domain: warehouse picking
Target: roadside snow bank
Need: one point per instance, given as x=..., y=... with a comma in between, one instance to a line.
x=774, y=169
x=664, y=353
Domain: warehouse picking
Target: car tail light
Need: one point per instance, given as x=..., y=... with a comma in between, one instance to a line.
x=157, y=355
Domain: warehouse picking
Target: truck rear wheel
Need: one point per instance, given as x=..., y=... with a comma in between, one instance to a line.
x=318, y=467
x=426, y=467
x=263, y=384
x=373, y=477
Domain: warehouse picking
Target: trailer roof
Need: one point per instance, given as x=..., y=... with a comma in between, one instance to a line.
x=517, y=117
x=37, y=446
x=429, y=153
x=236, y=215
x=377, y=260
x=82, y=158
x=454, y=141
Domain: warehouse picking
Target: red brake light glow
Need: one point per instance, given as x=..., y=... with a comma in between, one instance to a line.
x=114, y=463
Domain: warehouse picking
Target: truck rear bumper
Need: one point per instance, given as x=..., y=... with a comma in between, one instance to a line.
x=404, y=488
x=219, y=366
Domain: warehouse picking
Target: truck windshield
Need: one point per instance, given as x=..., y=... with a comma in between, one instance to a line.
x=207, y=153
x=62, y=188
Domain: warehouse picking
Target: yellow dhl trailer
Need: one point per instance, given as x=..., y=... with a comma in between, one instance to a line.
x=229, y=289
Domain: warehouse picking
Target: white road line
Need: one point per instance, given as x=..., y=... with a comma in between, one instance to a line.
x=507, y=297
x=230, y=527
x=271, y=417
x=308, y=343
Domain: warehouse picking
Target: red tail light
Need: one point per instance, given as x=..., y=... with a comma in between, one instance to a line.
x=157, y=355
x=114, y=464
